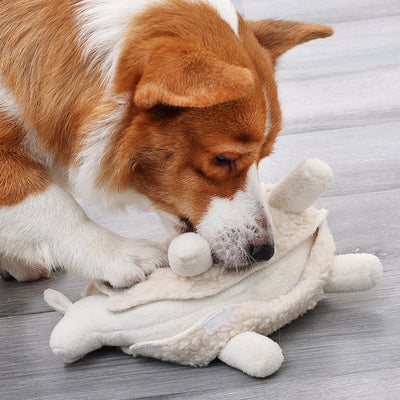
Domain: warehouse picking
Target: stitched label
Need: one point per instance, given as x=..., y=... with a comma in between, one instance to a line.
x=145, y=350
x=216, y=320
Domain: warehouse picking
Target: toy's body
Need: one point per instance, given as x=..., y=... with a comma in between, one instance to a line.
x=194, y=320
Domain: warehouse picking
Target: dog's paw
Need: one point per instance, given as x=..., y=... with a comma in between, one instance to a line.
x=135, y=259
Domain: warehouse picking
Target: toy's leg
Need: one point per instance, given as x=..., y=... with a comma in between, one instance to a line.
x=354, y=273
x=304, y=184
x=254, y=354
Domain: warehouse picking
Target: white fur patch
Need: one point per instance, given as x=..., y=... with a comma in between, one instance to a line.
x=11, y=109
x=103, y=22
x=83, y=177
x=8, y=104
x=231, y=224
x=31, y=144
x=31, y=228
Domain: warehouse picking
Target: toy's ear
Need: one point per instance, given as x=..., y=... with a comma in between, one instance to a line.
x=180, y=75
x=280, y=36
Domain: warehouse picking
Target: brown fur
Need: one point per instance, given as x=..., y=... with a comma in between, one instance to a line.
x=41, y=63
x=280, y=36
x=197, y=92
x=20, y=175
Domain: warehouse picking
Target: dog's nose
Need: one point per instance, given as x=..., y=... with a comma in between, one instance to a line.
x=262, y=252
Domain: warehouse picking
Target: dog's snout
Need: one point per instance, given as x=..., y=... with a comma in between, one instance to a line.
x=262, y=252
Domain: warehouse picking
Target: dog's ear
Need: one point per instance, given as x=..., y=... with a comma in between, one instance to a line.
x=279, y=36
x=177, y=74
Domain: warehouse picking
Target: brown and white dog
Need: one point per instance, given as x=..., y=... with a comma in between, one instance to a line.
x=168, y=103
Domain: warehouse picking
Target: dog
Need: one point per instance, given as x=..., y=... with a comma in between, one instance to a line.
x=167, y=104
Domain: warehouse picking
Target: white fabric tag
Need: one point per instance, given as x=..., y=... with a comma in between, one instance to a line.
x=145, y=350
x=216, y=320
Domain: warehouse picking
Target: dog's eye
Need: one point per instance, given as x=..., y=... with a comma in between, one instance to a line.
x=222, y=161
x=165, y=111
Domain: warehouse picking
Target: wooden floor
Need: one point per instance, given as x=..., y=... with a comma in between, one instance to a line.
x=341, y=103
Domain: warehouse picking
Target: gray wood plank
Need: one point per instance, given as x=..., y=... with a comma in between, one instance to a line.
x=365, y=222
x=355, y=46
x=353, y=99
x=363, y=159
x=322, y=12
x=366, y=56
x=372, y=385
x=339, y=339
x=18, y=298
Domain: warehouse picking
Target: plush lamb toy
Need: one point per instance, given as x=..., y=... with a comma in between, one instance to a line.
x=194, y=314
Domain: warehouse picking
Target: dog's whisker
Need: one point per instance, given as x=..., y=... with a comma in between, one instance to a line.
x=151, y=205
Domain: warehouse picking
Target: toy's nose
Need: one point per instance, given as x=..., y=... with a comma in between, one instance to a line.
x=262, y=252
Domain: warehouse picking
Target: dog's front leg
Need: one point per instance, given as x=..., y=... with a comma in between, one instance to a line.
x=49, y=229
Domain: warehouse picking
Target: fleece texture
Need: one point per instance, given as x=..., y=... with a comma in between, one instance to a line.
x=193, y=320
x=204, y=341
x=190, y=320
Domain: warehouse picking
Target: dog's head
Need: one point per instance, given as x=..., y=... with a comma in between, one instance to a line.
x=204, y=113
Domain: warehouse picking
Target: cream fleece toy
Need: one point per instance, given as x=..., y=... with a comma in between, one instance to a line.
x=192, y=313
